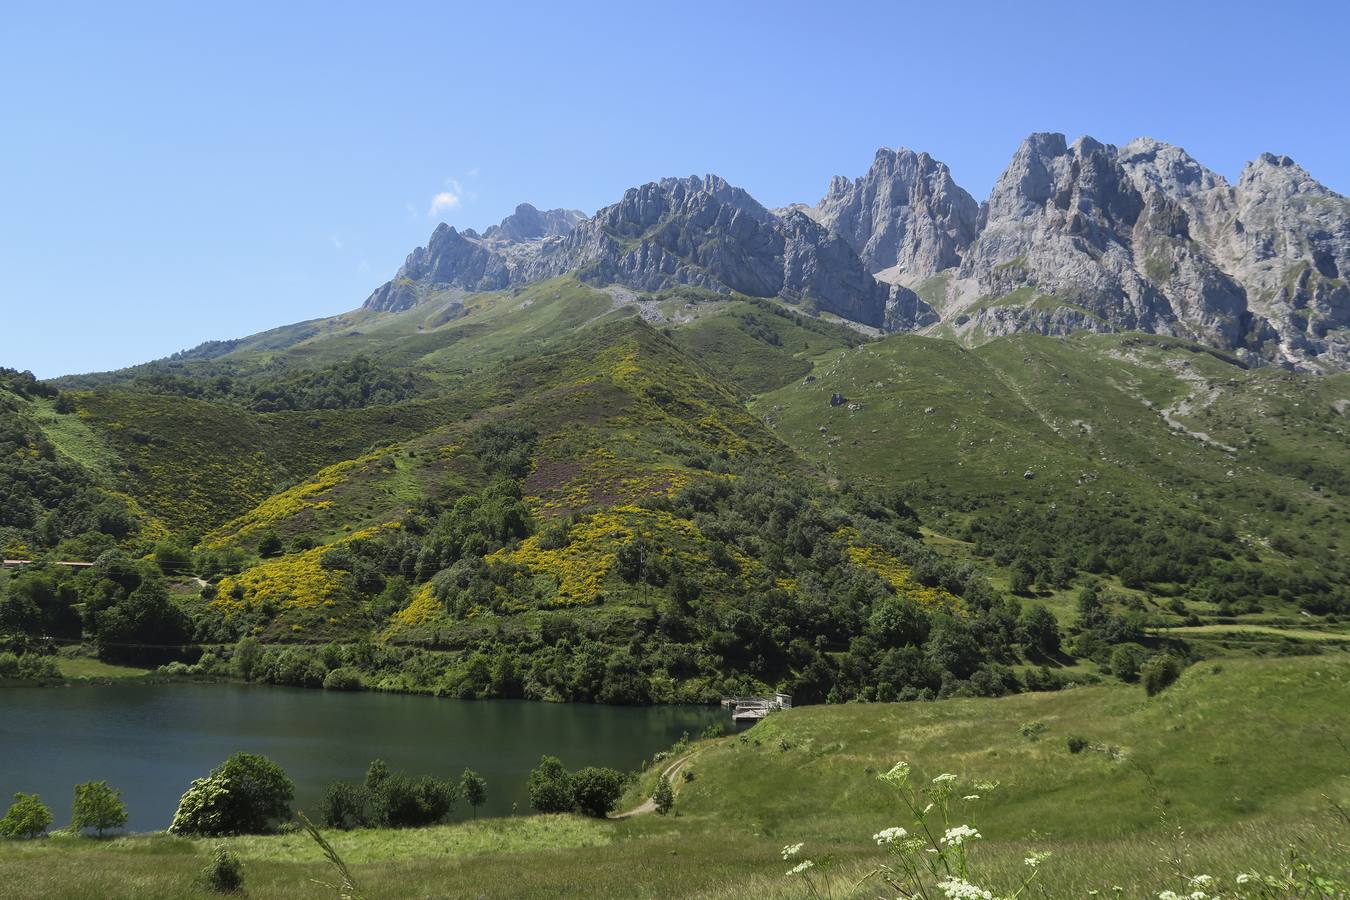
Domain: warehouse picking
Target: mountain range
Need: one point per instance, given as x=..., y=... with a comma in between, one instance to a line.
x=1074, y=237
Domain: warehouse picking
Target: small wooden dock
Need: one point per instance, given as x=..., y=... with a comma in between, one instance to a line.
x=752, y=709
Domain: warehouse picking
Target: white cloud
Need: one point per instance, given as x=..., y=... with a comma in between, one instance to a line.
x=337, y=242
x=443, y=203
x=473, y=173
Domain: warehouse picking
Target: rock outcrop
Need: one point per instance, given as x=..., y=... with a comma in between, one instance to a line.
x=1081, y=236
x=697, y=231
x=906, y=214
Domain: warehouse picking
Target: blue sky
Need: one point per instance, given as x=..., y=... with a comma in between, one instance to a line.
x=171, y=174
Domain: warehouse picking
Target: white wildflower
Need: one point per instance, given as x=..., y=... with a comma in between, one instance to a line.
x=1243, y=878
x=791, y=850
x=801, y=867
x=1036, y=858
x=957, y=836
x=927, y=809
x=898, y=774
x=1201, y=881
x=959, y=889
x=889, y=835
x=1169, y=895
x=944, y=778
x=969, y=797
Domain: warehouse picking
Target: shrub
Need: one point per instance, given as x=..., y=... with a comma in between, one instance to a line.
x=343, y=679
x=1077, y=744
x=401, y=802
x=550, y=786
x=1158, y=672
x=597, y=790
x=241, y=796
x=97, y=806
x=344, y=805
x=474, y=788
x=27, y=818
x=1126, y=660
x=1032, y=731
x=664, y=797
x=224, y=874
x=246, y=656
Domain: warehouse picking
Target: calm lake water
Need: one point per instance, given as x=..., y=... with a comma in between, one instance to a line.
x=152, y=740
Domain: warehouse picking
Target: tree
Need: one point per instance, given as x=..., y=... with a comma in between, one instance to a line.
x=664, y=797
x=246, y=654
x=242, y=795
x=344, y=805
x=27, y=818
x=550, y=786
x=1020, y=578
x=1039, y=630
x=270, y=545
x=474, y=788
x=97, y=806
x=596, y=790
x=376, y=773
x=1126, y=661
x=401, y=802
x=1158, y=672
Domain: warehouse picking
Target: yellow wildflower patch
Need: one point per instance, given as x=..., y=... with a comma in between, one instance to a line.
x=421, y=609
x=580, y=568
x=291, y=502
x=900, y=577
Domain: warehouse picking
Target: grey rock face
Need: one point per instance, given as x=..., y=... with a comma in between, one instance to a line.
x=529, y=224
x=1067, y=227
x=698, y=231
x=1082, y=236
x=906, y=212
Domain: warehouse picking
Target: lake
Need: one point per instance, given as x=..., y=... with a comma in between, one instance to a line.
x=152, y=740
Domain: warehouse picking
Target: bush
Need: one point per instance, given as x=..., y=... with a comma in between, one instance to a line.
x=344, y=805
x=550, y=787
x=243, y=795
x=596, y=790
x=664, y=797
x=1032, y=731
x=97, y=806
x=343, y=679
x=1158, y=672
x=474, y=788
x=401, y=802
x=27, y=818
x=224, y=874
x=1126, y=660
x=1077, y=744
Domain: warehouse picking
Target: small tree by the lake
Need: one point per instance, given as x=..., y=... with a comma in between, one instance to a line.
x=243, y=795
x=97, y=806
x=596, y=790
x=474, y=788
x=28, y=817
x=550, y=786
x=664, y=797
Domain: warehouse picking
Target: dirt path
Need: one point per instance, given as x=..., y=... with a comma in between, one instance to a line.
x=649, y=805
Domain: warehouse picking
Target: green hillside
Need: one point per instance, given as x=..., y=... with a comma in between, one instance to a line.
x=1163, y=466
x=565, y=492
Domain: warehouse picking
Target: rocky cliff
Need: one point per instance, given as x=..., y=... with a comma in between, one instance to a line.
x=1073, y=236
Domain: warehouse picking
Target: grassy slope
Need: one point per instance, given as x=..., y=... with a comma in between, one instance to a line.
x=1220, y=775
x=1085, y=417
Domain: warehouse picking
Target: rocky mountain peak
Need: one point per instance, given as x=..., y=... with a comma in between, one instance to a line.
x=529, y=224
x=906, y=217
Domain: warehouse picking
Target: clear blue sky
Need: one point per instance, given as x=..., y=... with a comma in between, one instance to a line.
x=172, y=173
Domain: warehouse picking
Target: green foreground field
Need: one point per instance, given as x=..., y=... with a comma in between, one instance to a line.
x=1193, y=781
